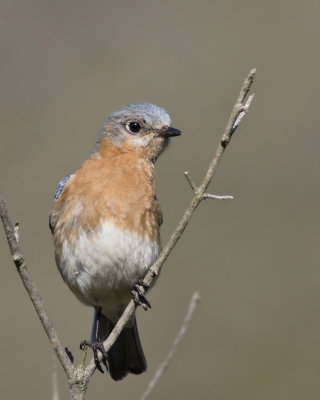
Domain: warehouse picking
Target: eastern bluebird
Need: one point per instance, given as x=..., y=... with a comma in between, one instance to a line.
x=105, y=223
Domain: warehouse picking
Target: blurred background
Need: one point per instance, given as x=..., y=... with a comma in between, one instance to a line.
x=65, y=66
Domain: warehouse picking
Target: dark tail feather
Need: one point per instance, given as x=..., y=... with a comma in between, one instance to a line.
x=126, y=355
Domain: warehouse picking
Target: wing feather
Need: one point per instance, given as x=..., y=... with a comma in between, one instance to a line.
x=59, y=190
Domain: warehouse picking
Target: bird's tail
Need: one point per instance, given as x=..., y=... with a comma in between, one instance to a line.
x=126, y=354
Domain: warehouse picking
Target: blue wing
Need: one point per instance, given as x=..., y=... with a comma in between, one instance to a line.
x=60, y=188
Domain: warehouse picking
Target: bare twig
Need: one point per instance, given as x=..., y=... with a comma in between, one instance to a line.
x=190, y=181
x=154, y=270
x=32, y=289
x=215, y=197
x=162, y=368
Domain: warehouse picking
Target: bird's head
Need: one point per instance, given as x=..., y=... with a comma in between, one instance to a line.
x=143, y=127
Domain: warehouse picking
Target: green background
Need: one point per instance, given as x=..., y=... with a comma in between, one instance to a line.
x=65, y=66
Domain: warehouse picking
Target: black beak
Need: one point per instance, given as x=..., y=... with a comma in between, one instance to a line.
x=169, y=131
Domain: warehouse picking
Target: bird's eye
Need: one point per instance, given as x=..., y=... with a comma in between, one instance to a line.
x=133, y=126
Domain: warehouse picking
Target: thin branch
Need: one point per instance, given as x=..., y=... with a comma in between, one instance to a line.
x=165, y=364
x=32, y=290
x=190, y=181
x=215, y=197
x=154, y=270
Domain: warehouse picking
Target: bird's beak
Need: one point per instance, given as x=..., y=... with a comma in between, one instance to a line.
x=168, y=131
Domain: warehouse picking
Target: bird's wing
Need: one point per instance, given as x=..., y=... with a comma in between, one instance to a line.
x=59, y=190
x=61, y=186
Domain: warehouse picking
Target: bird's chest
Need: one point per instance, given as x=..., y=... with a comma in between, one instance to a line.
x=105, y=265
x=107, y=234
x=121, y=192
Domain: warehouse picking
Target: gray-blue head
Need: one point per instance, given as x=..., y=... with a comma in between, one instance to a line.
x=142, y=127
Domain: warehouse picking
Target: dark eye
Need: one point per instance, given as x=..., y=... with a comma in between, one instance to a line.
x=133, y=126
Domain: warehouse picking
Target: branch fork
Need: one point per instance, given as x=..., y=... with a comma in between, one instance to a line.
x=197, y=191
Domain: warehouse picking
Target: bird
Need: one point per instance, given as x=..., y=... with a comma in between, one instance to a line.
x=105, y=222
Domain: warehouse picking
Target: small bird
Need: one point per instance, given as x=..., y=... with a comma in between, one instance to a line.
x=105, y=223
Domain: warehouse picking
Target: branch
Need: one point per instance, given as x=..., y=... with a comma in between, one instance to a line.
x=200, y=194
x=162, y=368
x=12, y=236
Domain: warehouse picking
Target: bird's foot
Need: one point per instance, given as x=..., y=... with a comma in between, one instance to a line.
x=139, y=296
x=97, y=346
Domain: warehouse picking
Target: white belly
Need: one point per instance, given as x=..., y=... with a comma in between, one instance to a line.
x=101, y=268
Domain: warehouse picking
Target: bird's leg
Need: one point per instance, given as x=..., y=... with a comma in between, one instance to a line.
x=139, y=297
x=97, y=344
x=95, y=347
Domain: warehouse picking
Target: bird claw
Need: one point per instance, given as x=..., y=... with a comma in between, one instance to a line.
x=139, y=297
x=97, y=346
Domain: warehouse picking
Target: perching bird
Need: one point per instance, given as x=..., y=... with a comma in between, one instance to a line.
x=105, y=223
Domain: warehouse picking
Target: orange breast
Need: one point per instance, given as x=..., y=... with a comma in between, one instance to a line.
x=119, y=188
